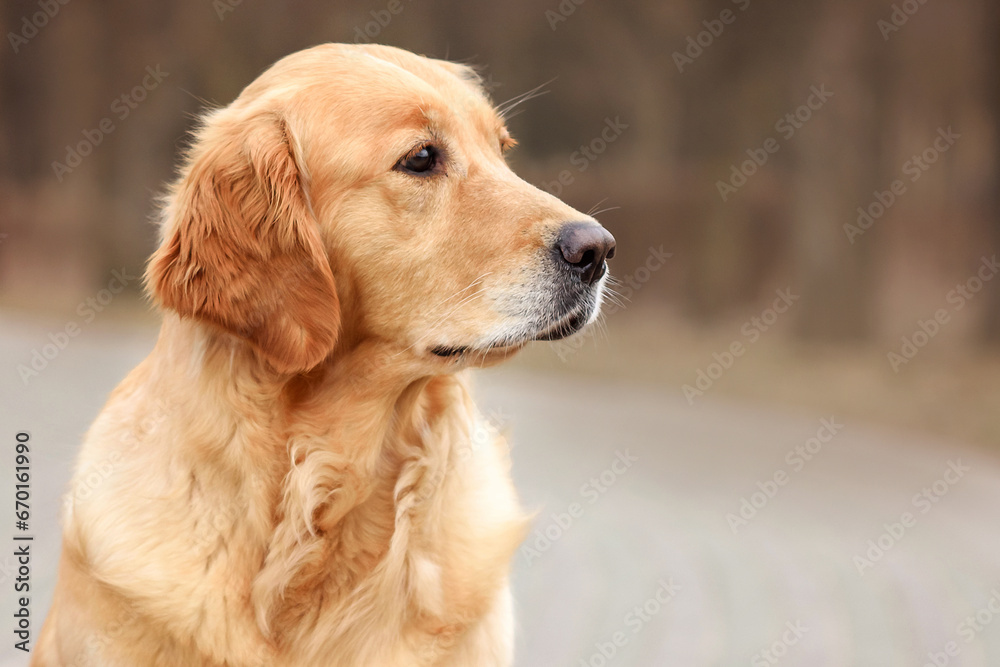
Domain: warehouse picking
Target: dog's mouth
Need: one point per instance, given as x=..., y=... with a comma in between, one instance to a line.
x=568, y=325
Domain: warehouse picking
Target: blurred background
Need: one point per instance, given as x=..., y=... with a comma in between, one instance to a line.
x=805, y=198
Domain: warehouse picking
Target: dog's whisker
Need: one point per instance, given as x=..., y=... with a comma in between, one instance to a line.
x=464, y=289
x=595, y=206
x=464, y=301
x=612, y=293
x=603, y=210
x=614, y=297
x=504, y=108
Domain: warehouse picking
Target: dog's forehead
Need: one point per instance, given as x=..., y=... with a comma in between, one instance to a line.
x=458, y=87
x=374, y=80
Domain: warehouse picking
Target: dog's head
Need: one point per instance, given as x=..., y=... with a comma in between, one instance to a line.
x=357, y=193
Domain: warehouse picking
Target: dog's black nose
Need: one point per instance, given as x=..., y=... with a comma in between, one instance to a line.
x=584, y=246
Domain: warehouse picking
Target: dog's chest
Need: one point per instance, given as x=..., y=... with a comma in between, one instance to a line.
x=414, y=585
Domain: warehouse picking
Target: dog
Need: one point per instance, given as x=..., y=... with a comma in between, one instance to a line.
x=294, y=476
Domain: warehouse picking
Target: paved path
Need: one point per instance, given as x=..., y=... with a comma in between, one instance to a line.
x=644, y=553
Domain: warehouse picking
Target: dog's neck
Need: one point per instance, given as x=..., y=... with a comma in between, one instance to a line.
x=373, y=379
x=334, y=447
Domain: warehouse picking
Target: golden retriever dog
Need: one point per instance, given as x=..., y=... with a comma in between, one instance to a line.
x=292, y=476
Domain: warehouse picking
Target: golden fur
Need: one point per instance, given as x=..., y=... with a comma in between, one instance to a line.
x=291, y=477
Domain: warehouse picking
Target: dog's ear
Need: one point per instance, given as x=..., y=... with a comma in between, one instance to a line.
x=242, y=249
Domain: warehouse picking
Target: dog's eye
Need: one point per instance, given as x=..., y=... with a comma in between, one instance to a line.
x=420, y=161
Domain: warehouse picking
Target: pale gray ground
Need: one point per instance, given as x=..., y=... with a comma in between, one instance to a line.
x=663, y=519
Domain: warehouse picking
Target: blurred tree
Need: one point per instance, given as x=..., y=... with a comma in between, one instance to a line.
x=838, y=162
x=991, y=30
x=686, y=131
